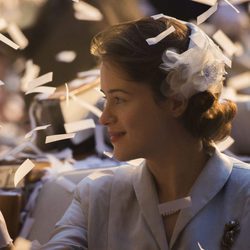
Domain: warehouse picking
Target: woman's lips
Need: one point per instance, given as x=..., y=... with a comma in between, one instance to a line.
x=115, y=136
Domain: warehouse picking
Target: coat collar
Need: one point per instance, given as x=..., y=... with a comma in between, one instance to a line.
x=211, y=180
x=145, y=190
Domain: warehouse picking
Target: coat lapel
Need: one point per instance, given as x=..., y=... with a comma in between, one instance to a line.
x=209, y=183
x=148, y=200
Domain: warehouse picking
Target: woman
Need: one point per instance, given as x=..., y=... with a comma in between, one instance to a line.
x=162, y=80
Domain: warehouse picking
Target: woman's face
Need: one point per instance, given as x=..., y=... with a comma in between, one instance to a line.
x=138, y=127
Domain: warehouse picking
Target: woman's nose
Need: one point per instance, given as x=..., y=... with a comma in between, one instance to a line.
x=107, y=117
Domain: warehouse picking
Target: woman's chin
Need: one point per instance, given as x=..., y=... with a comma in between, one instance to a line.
x=122, y=156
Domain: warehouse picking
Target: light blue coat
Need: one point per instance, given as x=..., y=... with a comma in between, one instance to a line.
x=118, y=210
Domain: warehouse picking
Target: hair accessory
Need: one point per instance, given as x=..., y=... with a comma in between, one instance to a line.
x=231, y=230
x=200, y=68
x=162, y=35
x=172, y=207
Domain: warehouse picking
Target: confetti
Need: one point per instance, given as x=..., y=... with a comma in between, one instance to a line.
x=199, y=245
x=226, y=44
x=44, y=89
x=204, y=16
x=41, y=80
x=67, y=94
x=58, y=137
x=232, y=6
x=162, y=35
x=66, y=56
x=238, y=1
x=7, y=41
x=31, y=72
x=23, y=170
x=175, y=205
x=79, y=125
x=225, y=144
x=17, y=35
x=158, y=16
x=207, y=2
x=29, y=134
x=92, y=72
x=86, y=105
x=108, y=154
x=1, y=83
x=84, y=11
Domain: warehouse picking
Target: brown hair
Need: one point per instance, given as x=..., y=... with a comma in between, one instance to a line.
x=125, y=45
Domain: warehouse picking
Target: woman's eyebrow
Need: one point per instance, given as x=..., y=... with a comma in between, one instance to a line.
x=111, y=91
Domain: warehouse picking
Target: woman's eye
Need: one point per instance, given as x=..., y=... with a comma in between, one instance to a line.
x=118, y=100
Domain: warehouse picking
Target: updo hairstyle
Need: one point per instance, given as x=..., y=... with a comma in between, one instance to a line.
x=125, y=45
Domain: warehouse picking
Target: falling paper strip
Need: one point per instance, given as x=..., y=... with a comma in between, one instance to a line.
x=238, y=1
x=232, y=6
x=79, y=125
x=225, y=144
x=2, y=83
x=109, y=154
x=66, y=56
x=84, y=11
x=204, y=16
x=172, y=206
x=58, y=137
x=44, y=89
x=199, y=245
x=92, y=72
x=86, y=105
x=100, y=144
x=29, y=134
x=67, y=94
x=31, y=72
x=226, y=44
x=162, y=35
x=207, y=2
x=17, y=35
x=7, y=41
x=158, y=16
x=23, y=170
x=41, y=80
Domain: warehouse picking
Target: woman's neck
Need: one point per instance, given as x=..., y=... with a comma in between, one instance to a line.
x=176, y=171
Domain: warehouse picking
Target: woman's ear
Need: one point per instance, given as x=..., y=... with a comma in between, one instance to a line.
x=177, y=105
